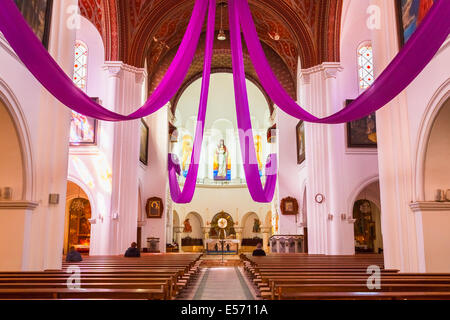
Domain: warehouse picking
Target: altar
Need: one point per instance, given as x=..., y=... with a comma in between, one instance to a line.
x=214, y=246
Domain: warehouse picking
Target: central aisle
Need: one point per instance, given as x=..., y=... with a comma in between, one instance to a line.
x=224, y=283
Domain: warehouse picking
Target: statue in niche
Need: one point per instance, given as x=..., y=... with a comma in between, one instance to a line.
x=187, y=226
x=256, y=226
x=221, y=162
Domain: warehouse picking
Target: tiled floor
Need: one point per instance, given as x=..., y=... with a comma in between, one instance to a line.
x=223, y=284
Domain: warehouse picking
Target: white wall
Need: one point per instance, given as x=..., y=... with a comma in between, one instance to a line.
x=44, y=128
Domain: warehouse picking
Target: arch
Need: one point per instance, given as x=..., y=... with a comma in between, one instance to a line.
x=360, y=187
x=10, y=101
x=68, y=202
x=437, y=101
x=248, y=225
x=87, y=191
x=367, y=227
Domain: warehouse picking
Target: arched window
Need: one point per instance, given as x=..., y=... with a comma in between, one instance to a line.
x=82, y=128
x=80, y=65
x=365, y=66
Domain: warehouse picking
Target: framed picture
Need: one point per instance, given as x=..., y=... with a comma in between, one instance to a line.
x=301, y=146
x=38, y=14
x=362, y=133
x=410, y=14
x=289, y=206
x=83, y=129
x=154, y=208
x=143, y=153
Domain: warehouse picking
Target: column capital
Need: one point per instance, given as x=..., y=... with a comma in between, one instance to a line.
x=328, y=69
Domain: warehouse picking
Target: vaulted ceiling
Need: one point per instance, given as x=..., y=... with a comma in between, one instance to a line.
x=135, y=31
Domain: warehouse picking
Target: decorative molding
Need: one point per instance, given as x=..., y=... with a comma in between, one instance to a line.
x=329, y=69
x=429, y=206
x=5, y=45
x=116, y=68
x=18, y=205
x=364, y=151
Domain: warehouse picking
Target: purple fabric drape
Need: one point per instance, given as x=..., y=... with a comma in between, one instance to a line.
x=186, y=195
x=249, y=159
x=405, y=67
x=39, y=62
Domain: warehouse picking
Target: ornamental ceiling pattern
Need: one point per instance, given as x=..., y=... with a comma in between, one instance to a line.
x=136, y=30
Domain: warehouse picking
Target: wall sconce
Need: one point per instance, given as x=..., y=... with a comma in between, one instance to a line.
x=115, y=216
x=330, y=217
x=343, y=217
x=100, y=217
x=53, y=198
x=92, y=221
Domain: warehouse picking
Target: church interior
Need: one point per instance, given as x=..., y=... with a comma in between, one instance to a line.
x=325, y=202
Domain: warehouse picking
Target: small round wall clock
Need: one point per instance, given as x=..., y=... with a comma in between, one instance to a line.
x=319, y=198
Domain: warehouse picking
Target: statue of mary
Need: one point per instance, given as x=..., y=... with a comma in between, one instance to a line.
x=222, y=161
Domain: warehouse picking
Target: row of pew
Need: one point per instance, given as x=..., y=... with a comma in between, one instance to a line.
x=150, y=277
x=317, y=277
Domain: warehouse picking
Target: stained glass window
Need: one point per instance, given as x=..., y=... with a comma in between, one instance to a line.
x=365, y=66
x=82, y=128
x=80, y=65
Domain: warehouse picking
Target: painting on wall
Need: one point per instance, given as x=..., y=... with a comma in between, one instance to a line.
x=362, y=133
x=154, y=208
x=301, y=146
x=222, y=163
x=143, y=149
x=410, y=14
x=38, y=14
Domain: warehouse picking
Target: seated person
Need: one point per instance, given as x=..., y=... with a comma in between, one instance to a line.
x=133, y=251
x=258, y=252
x=73, y=255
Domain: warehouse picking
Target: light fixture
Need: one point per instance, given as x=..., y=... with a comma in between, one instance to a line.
x=221, y=36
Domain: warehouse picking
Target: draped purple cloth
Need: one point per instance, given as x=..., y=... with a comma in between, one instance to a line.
x=248, y=153
x=186, y=195
x=45, y=69
x=405, y=67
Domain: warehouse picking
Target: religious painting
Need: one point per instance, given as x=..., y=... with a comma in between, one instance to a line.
x=79, y=225
x=143, y=149
x=362, y=133
x=187, y=145
x=256, y=226
x=301, y=146
x=289, y=206
x=222, y=163
x=154, y=208
x=38, y=14
x=410, y=14
x=83, y=129
x=187, y=226
x=364, y=226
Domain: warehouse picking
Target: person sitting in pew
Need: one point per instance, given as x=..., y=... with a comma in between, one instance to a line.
x=259, y=252
x=133, y=251
x=73, y=255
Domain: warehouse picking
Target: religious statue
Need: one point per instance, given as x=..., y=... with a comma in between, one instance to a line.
x=256, y=226
x=221, y=161
x=187, y=226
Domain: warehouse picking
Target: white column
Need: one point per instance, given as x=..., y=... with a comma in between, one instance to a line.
x=125, y=91
x=403, y=249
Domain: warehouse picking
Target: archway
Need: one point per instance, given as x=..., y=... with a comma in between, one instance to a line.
x=192, y=240
x=12, y=175
x=251, y=231
x=367, y=220
x=436, y=173
x=77, y=231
